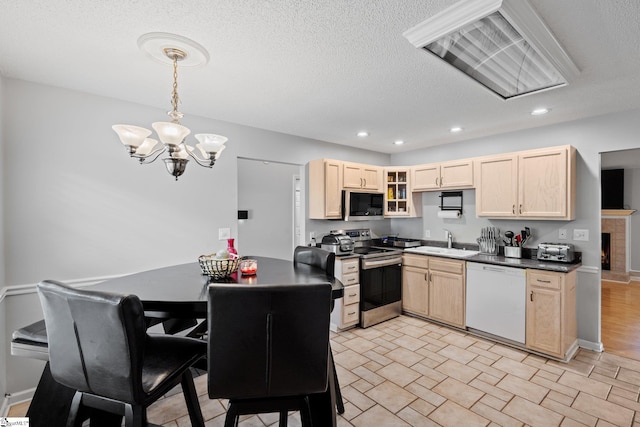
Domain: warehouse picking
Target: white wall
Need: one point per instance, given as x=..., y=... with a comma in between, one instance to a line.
x=590, y=137
x=77, y=208
x=3, y=336
x=267, y=192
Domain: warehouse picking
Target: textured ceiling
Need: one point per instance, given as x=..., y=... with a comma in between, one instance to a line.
x=318, y=69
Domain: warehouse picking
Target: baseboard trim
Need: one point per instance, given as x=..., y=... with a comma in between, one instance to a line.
x=589, y=345
x=15, y=398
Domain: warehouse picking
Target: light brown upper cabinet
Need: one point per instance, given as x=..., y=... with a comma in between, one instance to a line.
x=535, y=184
x=447, y=175
x=361, y=176
x=325, y=189
x=399, y=200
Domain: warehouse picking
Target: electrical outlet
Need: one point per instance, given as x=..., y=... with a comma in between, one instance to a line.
x=427, y=233
x=581, y=235
x=562, y=234
x=224, y=233
x=312, y=235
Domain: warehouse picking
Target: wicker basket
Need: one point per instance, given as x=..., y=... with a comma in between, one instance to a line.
x=218, y=268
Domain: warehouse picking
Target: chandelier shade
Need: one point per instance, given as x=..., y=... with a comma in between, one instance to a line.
x=172, y=134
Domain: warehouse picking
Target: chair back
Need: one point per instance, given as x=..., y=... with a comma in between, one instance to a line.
x=268, y=340
x=315, y=256
x=95, y=340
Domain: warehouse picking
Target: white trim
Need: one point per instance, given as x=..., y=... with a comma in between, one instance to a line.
x=31, y=288
x=589, y=345
x=15, y=398
x=588, y=269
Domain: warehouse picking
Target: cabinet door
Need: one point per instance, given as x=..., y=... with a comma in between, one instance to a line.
x=371, y=177
x=497, y=186
x=333, y=189
x=425, y=177
x=543, y=183
x=397, y=197
x=456, y=174
x=544, y=320
x=352, y=175
x=447, y=298
x=415, y=290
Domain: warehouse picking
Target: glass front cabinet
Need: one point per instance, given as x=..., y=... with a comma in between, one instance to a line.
x=398, y=198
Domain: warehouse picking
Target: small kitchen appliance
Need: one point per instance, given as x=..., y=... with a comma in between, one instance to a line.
x=561, y=252
x=338, y=243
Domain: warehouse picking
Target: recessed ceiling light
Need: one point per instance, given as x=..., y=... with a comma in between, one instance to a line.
x=363, y=134
x=455, y=129
x=540, y=111
x=398, y=142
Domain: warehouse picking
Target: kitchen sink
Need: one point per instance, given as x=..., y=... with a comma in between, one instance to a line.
x=447, y=252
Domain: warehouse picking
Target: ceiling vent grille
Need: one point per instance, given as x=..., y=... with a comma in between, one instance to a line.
x=502, y=44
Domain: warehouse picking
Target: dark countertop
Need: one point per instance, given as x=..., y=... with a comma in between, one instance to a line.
x=561, y=267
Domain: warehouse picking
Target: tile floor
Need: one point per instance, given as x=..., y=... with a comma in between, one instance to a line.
x=408, y=372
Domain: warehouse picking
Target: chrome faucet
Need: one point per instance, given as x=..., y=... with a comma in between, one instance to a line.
x=449, y=238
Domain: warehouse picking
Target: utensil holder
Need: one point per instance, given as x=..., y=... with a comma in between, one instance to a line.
x=513, y=252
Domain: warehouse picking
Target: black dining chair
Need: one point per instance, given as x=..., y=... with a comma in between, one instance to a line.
x=268, y=347
x=316, y=257
x=98, y=345
x=325, y=260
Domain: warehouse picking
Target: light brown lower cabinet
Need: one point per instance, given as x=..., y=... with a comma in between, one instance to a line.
x=434, y=288
x=346, y=311
x=551, y=312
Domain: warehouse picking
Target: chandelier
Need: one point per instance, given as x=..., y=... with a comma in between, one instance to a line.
x=173, y=49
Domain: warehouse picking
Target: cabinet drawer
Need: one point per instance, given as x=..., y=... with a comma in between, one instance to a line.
x=351, y=295
x=544, y=279
x=351, y=313
x=419, y=261
x=350, y=279
x=446, y=265
x=350, y=266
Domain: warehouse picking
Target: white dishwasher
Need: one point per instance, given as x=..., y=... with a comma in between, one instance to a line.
x=496, y=300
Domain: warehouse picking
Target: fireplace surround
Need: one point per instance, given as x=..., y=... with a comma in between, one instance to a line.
x=615, y=244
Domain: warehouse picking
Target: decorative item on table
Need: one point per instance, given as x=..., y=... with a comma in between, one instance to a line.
x=248, y=266
x=219, y=265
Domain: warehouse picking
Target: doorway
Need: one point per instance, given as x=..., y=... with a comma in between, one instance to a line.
x=620, y=297
x=271, y=193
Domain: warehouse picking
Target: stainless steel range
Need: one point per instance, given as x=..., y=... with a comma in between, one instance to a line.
x=380, y=278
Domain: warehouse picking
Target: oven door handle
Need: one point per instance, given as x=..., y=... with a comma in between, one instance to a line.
x=367, y=265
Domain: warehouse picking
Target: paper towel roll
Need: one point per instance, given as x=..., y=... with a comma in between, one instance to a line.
x=449, y=214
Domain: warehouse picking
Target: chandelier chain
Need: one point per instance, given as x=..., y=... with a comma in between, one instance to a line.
x=174, y=93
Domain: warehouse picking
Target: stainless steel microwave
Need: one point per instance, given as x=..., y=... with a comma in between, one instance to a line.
x=362, y=206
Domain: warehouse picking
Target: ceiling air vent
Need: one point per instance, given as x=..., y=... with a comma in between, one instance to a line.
x=502, y=44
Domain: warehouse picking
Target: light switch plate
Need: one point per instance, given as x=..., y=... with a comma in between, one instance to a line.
x=427, y=233
x=581, y=234
x=562, y=234
x=224, y=233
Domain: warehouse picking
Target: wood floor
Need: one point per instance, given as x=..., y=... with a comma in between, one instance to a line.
x=621, y=318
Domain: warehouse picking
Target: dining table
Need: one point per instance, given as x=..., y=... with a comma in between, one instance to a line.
x=180, y=292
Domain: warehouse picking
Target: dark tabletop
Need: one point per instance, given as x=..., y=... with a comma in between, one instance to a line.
x=181, y=290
